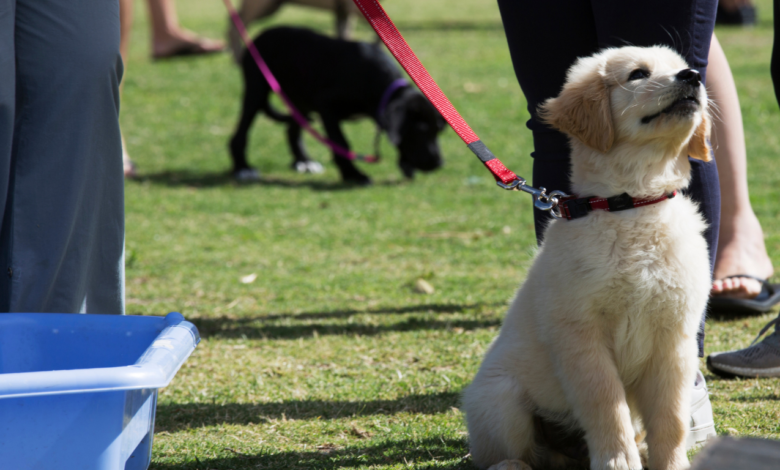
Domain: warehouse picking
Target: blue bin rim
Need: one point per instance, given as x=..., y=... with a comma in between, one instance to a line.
x=154, y=369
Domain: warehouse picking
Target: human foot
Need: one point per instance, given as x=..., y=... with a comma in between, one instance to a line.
x=184, y=42
x=741, y=250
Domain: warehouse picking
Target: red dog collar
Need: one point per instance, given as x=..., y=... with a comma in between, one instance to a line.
x=572, y=207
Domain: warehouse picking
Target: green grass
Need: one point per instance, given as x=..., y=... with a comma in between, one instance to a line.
x=330, y=359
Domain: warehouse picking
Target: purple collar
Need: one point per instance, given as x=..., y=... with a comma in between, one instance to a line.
x=380, y=110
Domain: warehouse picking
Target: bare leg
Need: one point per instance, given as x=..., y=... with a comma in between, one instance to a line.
x=168, y=37
x=732, y=5
x=249, y=12
x=125, y=26
x=741, y=248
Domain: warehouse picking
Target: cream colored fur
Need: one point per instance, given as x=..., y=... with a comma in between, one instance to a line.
x=602, y=334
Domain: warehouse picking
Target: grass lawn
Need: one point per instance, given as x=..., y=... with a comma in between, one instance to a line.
x=329, y=358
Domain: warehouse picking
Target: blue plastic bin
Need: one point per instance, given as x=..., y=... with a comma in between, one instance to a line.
x=79, y=392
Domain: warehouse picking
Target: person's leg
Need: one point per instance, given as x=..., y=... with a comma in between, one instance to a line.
x=775, y=64
x=545, y=38
x=65, y=233
x=170, y=39
x=760, y=359
x=7, y=114
x=125, y=26
x=741, y=248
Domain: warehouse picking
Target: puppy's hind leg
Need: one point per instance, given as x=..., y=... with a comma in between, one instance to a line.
x=500, y=427
x=301, y=161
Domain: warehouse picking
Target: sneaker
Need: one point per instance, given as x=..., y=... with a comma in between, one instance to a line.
x=702, y=422
x=757, y=360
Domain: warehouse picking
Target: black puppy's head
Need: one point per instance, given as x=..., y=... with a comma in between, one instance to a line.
x=413, y=125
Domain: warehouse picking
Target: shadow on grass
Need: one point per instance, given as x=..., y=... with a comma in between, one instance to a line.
x=429, y=452
x=731, y=316
x=192, y=179
x=258, y=327
x=425, y=308
x=758, y=399
x=454, y=25
x=225, y=328
x=255, y=329
x=175, y=417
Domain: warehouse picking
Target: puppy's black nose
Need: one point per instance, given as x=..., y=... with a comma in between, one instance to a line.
x=689, y=76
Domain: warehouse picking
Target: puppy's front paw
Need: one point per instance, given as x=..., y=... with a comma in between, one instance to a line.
x=247, y=175
x=617, y=462
x=511, y=465
x=308, y=167
x=358, y=179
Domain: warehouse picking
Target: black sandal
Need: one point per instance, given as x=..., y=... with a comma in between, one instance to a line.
x=762, y=303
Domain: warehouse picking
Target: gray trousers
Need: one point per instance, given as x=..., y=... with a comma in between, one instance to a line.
x=61, y=183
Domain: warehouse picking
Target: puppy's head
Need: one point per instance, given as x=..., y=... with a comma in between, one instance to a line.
x=413, y=126
x=635, y=96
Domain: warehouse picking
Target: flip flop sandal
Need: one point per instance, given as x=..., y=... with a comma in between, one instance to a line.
x=188, y=49
x=762, y=303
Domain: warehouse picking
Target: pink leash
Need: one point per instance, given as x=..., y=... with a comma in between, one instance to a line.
x=274, y=84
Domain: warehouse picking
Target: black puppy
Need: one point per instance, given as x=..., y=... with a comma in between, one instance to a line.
x=338, y=80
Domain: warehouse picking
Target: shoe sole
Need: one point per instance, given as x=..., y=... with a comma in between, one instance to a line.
x=698, y=435
x=730, y=372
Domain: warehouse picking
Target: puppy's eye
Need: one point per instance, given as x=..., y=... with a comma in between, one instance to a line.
x=638, y=74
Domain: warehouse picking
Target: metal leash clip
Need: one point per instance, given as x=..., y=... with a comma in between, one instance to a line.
x=542, y=200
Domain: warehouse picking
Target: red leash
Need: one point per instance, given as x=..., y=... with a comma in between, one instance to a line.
x=389, y=34
x=558, y=203
x=505, y=178
x=274, y=84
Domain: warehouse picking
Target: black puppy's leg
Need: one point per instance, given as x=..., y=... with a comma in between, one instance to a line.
x=253, y=102
x=349, y=173
x=302, y=163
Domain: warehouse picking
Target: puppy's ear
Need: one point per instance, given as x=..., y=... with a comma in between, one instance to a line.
x=699, y=145
x=583, y=111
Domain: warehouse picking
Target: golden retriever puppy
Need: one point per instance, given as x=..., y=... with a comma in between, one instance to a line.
x=600, y=341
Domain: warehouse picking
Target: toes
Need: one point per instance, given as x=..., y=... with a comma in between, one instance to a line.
x=736, y=287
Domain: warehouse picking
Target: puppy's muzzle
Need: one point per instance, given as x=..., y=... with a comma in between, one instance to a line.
x=689, y=81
